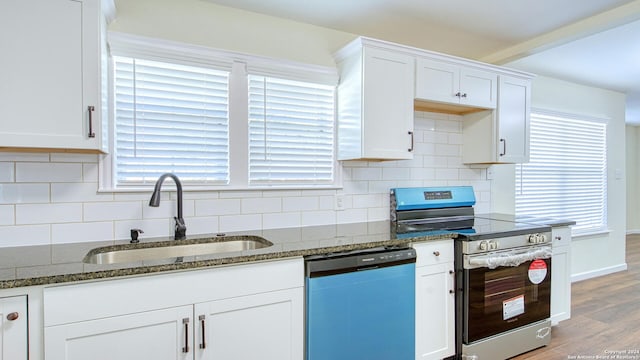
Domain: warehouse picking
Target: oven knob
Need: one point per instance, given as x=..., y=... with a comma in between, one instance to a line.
x=533, y=238
x=483, y=246
x=543, y=238
x=493, y=245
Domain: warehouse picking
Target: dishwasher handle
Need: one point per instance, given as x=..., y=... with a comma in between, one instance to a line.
x=358, y=261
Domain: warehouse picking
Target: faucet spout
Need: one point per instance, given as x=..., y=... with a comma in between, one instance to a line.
x=180, y=228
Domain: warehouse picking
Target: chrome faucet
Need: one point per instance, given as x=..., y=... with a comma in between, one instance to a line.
x=181, y=228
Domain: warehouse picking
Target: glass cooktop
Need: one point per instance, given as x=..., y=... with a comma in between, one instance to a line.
x=471, y=228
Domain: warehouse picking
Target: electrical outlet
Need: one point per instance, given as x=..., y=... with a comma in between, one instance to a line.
x=340, y=202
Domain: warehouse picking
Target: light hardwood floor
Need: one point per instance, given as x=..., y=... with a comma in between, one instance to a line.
x=605, y=317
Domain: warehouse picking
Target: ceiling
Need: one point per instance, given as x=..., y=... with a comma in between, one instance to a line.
x=593, y=42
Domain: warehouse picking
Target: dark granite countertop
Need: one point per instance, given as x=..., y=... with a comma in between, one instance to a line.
x=52, y=264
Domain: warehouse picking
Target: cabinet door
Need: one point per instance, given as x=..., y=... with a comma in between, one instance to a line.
x=437, y=81
x=435, y=317
x=13, y=328
x=157, y=335
x=49, y=73
x=387, y=112
x=514, y=106
x=267, y=326
x=478, y=88
x=561, y=275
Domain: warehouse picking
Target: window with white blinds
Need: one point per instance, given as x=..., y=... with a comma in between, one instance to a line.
x=567, y=174
x=291, y=131
x=170, y=118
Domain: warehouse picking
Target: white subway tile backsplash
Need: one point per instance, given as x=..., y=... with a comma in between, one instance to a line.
x=368, y=174
x=7, y=172
x=129, y=210
x=321, y=217
x=261, y=205
x=300, y=203
x=446, y=174
x=448, y=150
x=240, y=222
x=24, y=193
x=54, y=198
x=48, y=213
x=11, y=156
x=217, y=207
x=90, y=172
x=367, y=201
x=396, y=174
x=48, y=172
x=202, y=225
x=281, y=220
x=78, y=192
x=69, y=157
x=351, y=216
x=7, y=215
x=81, y=232
x=28, y=235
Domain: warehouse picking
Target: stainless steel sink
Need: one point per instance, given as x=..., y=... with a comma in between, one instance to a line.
x=174, y=249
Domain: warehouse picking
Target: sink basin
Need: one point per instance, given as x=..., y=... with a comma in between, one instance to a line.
x=171, y=249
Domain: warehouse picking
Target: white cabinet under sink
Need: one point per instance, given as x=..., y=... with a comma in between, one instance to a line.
x=13, y=328
x=238, y=312
x=51, y=69
x=435, y=300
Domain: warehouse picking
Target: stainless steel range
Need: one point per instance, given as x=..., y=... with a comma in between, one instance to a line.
x=503, y=270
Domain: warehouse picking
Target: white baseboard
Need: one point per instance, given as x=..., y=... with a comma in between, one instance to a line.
x=599, y=272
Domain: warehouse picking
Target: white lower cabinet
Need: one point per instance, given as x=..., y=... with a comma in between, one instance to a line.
x=262, y=326
x=157, y=335
x=561, y=275
x=255, y=311
x=435, y=300
x=13, y=328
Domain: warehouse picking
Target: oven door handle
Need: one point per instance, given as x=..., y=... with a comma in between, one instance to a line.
x=508, y=258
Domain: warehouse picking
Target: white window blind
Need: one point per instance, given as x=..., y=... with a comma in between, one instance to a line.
x=291, y=131
x=170, y=118
x=566, y=176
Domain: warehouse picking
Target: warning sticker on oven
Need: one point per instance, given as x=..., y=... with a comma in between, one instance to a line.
x=513, y=307
x=537, y=271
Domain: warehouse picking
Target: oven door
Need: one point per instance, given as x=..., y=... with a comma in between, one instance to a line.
x=505, y=290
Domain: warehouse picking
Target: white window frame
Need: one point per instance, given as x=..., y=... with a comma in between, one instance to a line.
x=578, y=230
x=239, y=66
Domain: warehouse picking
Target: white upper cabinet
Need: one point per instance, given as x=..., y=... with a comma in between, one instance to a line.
x=501, y=135
x=375, y=102
x=440, y=81
x=50, y=92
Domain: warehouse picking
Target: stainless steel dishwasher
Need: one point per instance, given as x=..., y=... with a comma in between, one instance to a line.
x=361, y=305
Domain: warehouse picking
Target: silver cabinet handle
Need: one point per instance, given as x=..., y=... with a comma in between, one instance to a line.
x=203, y=345
x=504, y=147
x=436, y=253
x=13, y=316
x=91, y=110
x=185, y=321
x=411, y=148
x=458, y=94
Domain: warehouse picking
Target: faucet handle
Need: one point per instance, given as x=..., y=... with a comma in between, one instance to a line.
x=180, y=229
x=134, y=235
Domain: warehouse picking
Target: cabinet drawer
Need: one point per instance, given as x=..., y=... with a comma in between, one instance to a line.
x=434, y=252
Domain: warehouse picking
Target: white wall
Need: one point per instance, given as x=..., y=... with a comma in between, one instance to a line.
x=633, y=174
x=207, y=24
x=52, y=198
x=603, y=253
